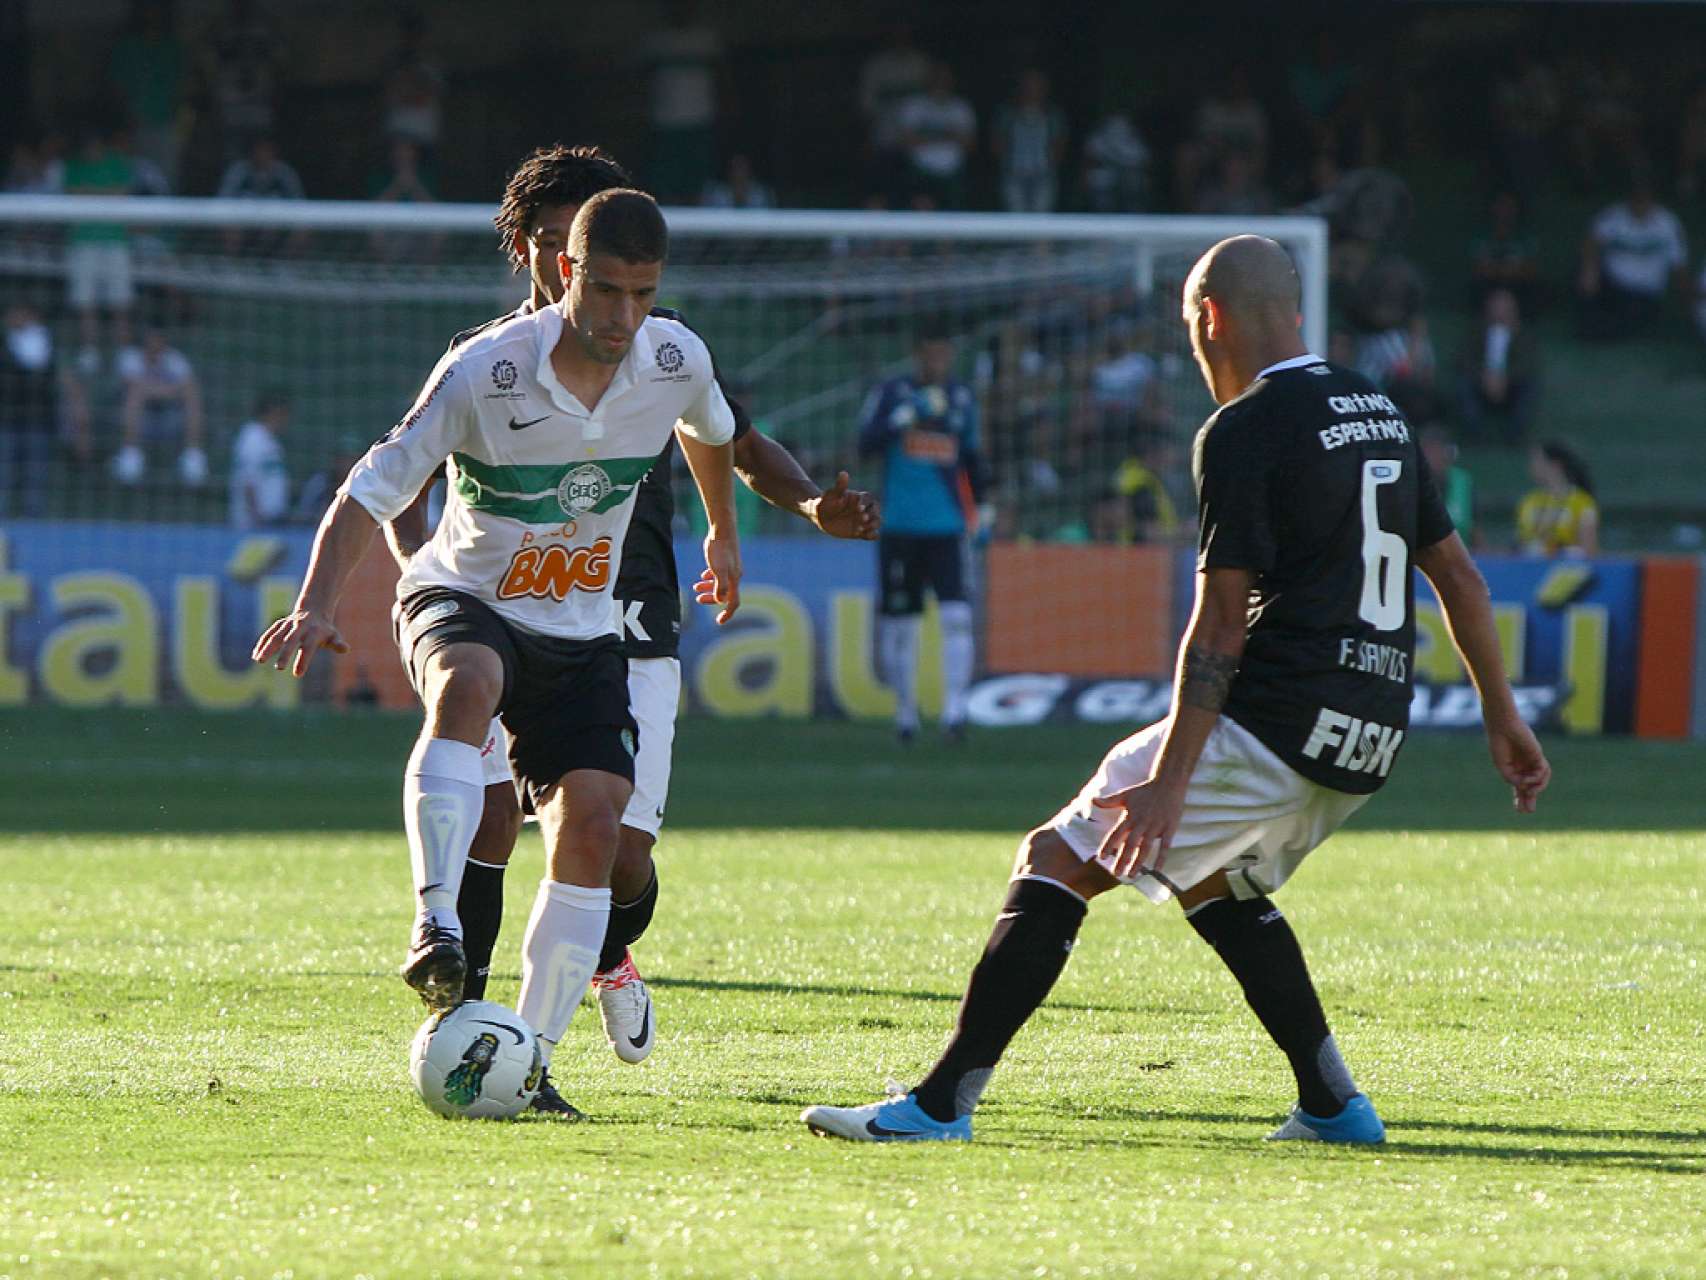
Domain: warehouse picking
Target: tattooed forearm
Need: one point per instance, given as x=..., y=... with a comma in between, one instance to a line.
x=1205, y=678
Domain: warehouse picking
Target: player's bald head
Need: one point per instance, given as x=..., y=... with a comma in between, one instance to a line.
x=1251, y=279
x=1241, y=307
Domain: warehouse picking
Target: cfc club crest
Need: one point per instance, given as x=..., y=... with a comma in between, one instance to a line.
x=583, y=489
x=669, y=357
x=503, y=375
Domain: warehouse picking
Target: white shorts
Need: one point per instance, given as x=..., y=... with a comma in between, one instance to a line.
x=654, y=697
x=99, y=275
x=1246, y=813
x=494, y=755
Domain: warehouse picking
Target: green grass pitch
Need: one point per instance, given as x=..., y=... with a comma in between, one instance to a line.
x=202, y=1043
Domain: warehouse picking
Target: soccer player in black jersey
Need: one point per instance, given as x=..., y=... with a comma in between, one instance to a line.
x=539, y=205
x=1291, y=702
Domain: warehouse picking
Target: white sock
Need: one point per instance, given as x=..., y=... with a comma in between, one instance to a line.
x=959, y=657
x=898, y=638
x=559, y=955
x=443, y=794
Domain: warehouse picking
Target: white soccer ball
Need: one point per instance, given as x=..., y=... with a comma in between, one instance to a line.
x=480, y=1060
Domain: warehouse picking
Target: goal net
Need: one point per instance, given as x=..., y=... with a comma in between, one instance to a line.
x=169, y=326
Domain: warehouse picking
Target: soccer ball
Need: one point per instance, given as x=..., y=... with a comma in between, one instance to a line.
x=480, y=1060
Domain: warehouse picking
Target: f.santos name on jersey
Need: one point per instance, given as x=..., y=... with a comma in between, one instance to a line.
x=1386, y=660
x=1387, y=426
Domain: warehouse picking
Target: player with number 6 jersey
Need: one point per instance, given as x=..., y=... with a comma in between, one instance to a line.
x=1311, y=480
x=1290, y=705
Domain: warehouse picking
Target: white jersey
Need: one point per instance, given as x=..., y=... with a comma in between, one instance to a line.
x=260, y=485
x=539, y=490
x=1640, y=253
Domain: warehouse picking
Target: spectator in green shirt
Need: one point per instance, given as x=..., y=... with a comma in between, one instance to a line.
x=1456, y=485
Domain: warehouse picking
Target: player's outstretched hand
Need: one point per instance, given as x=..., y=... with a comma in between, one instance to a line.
x=1520, y=761
x=1148, y=819
x=720, y=583
x=291, y=642
x=842, y=512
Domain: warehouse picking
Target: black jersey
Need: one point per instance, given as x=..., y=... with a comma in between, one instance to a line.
x=648, y=588
x=1312, y=480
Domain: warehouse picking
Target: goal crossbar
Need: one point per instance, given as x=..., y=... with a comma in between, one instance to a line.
x=1148, y=234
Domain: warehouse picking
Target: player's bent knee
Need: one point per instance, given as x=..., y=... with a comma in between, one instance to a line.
x=1043, y=854
x=464, y=685
x=584, y=850
x=596, y=830
x=583, y=815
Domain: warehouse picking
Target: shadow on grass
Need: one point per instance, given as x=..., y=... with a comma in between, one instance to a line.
x=1697, y=1136
x=1077, y=1131
x=1609, y=1158
x=1254, y=1127
x=849, y=991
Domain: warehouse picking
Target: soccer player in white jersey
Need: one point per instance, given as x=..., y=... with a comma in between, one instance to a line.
x=509, y=608
x=1291, y=702
x=539, y=204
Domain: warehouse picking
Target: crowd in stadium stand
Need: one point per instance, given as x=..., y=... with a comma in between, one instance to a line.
x=1077, y=417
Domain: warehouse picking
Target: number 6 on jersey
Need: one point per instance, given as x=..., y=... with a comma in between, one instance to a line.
x=1385, y=556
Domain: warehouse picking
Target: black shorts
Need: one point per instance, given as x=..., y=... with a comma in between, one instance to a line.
x=565, y=702
x=908, y=563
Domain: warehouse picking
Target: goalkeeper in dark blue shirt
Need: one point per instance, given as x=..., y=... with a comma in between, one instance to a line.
x=924, y=428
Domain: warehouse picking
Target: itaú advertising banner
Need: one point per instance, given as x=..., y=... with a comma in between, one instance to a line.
x=111, y=614
x=96, y=614
x=1577, y=644
x=1570, y=632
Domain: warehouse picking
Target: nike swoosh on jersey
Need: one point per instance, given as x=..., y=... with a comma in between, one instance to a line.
x=522, y=426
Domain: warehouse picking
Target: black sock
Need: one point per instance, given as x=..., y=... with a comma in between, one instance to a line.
x=481, y=907
x=1027, y=950
x=1253, y=940
x=628, y=920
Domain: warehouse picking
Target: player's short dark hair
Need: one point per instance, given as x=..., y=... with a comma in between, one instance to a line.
x=624, y=223
x=552, y=176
